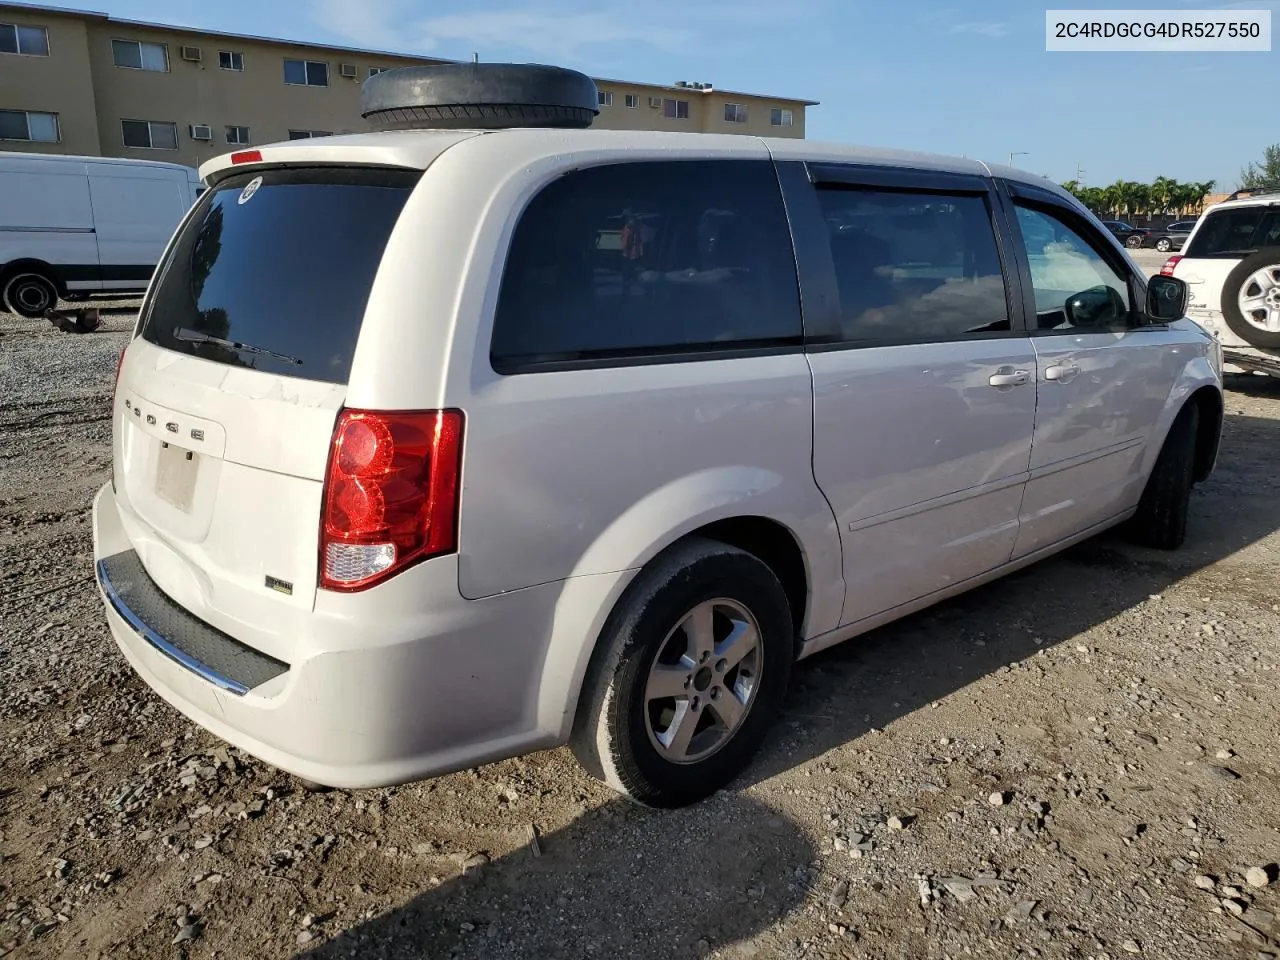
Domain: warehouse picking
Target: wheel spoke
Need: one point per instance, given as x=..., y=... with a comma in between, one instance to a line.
x=700, y=630
x=666, y=681
x=728, y=708
x=693, y=674
x=1253, y=303
x=679, y=734
x=740, y=642
x=1264, y=279
x=1273, y=320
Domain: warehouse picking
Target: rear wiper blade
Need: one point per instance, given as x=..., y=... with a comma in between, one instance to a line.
x=198, y=336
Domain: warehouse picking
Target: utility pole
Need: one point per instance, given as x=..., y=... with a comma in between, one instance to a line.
x=1079, y=174
x=1017, y=153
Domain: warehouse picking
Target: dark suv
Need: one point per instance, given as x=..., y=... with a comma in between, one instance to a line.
x=1130, y=236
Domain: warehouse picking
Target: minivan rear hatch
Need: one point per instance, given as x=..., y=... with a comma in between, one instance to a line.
x=228, y=396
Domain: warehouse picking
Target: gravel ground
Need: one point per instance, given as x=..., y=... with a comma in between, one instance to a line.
x=1079, y=761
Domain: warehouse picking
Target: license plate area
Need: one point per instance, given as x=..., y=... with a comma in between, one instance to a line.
x=176, y=473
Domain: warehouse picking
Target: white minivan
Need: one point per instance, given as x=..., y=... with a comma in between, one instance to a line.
x=434, y=447
x=76, y=226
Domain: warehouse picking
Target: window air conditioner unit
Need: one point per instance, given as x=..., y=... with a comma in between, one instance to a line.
x=191, y=53
x=201, y=131
x=348, y=70
x=655, y=103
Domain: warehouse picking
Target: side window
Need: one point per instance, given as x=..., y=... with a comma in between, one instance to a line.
x=1074, y=286
x=914, y=266
x=650, y=257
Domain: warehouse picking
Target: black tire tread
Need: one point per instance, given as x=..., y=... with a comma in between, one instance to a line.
x=601, y=738
x=8, y=278
x=1161, y=520
x=484, y=96
x=463, y=116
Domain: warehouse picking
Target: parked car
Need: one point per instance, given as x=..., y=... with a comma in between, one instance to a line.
x=1127, y=234
x=469, y=473
x=1171, y=237
x=1231, y=265
x=77, y=226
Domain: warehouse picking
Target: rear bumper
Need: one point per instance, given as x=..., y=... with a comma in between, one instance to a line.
x=371, y=698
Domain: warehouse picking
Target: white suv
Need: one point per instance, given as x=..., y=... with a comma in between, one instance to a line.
x=437, y=447
x=1231, y=265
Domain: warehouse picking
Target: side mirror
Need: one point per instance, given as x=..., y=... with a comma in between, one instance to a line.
x=1166, y=299
x=1099, y=306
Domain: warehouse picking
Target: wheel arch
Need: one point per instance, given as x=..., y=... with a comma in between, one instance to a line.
x=32, y=265
x=810, y=573
x=1201, y=388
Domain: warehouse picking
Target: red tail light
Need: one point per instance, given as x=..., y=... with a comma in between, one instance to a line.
x=1167, y=269
x=247, y=156
x=391, y=494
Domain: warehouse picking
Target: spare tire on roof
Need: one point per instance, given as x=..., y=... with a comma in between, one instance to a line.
x=479, y=96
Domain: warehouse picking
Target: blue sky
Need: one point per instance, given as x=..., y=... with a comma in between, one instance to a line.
x=955, y=78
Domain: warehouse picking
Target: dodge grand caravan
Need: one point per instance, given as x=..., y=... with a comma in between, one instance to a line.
x=434, y=447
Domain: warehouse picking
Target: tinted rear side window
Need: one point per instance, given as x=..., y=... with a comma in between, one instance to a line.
x=649, y=258
x=273, y=269
x=914, y=266
x=1236, y=233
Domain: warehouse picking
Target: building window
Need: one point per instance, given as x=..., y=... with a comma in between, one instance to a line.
x=606, y=98
x=29, y=125
x=735, y=113
x=306, y=73
x=140, y=56
x=238, y=135
x=633, y=100
x=374, y=71
x=675, y=109
x=781, y=117
x=308, y=134
x=231, y=60
x=20, y=38
x=150, y=134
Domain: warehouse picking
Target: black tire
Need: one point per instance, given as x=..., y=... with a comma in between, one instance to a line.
x=1236, y=279
x=1163, y=244
x=1161, y=520
x=29, y=293
x=612, y=736
x=479, y=96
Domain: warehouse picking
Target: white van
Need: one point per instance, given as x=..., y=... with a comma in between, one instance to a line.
x=74, y=226
x=433, y=447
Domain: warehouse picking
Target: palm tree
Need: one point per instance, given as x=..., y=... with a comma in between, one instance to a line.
x=1110, y=199
x=1163, y=191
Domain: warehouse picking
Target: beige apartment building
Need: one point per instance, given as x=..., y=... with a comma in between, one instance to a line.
x=86, y=83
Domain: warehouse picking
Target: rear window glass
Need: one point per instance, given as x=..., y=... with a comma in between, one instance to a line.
x=1236, y=233
x=274, y=267
x=649, y=258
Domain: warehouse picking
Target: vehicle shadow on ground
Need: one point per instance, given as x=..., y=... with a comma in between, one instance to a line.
x=620, y=881
x=842, y=693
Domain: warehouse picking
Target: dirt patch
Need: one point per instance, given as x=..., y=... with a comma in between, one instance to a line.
x=1050, y=766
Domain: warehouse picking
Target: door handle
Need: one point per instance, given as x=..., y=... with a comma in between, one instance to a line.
x=1062, y=372
x=1008, y=377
